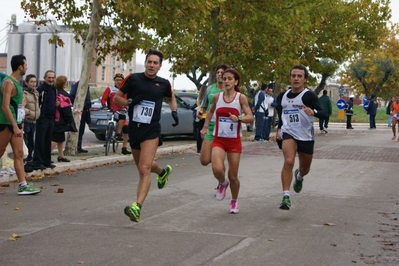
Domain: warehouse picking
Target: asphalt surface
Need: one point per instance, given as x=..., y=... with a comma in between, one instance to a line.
x=346, y=214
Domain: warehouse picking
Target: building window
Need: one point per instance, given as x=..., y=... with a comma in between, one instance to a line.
x=103, y=73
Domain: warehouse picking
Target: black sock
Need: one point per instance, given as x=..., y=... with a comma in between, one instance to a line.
x=138, y=204
x=162, y=173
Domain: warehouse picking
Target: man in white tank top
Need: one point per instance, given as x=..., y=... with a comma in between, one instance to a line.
x=297, y=108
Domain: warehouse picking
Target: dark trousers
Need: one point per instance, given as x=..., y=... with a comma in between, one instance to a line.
x=348, y=121
x=323, y=123
x=43, y=136
x=268, y=127
x=372, y=121
x=29, y=138
x=85, y=118
x=260, y=123
x=197, y=134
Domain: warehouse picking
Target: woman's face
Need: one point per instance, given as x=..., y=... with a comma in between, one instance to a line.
x=32, y=83
x=229, y=81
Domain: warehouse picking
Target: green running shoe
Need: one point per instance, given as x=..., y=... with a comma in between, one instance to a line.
x=133, y=212
x=297, y=183
x=163, y=180
x=286, y=203
x=28, y=190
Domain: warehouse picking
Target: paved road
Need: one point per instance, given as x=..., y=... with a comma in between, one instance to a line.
x=347, y=213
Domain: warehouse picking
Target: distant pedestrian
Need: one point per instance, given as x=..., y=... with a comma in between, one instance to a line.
x=389, y=111
x=349, y=112
x=261, y=113
x=227, y=109
x=297, y=108
x=327, y=106
x=251, y=102
x=372, y=111
x=199, y=121
x=271, y=104
x=395, y=116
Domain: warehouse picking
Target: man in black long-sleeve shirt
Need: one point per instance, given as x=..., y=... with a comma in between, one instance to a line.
x=45, y=123
x=297, y=108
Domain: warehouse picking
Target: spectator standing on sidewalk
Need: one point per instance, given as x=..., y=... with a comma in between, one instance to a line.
x=32, y=113
x=45, y=123
x=227, y=108
x=146, y=92
x=327, y=106
x=349, y=112
x=389, y=111
x=372, y=111
x=261, y=113
x=11, y=117
x=85, y=116
x=271, y=104
x=297, y=108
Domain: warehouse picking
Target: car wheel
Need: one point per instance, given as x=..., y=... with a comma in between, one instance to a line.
x=100, y=136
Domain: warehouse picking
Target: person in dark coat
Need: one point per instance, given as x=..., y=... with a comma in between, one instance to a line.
x=63, y=118
x=349, y=112
x=389, y=112
x=45, y=123
x=85, y=118
x=372, y=111
x=326, y=103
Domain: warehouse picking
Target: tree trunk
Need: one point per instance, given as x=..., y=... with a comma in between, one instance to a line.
x=89, y=44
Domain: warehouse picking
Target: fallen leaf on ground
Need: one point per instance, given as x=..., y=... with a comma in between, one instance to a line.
x=330, y=224
x=60, y=190
x=271, y=240
x=387, y=243
x=16, y=208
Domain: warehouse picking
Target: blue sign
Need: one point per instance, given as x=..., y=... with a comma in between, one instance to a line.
x=341, y=104
x=366, y=105
x=364, y=100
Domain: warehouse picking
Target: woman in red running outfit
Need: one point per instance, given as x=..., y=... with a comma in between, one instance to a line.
x=227, y=111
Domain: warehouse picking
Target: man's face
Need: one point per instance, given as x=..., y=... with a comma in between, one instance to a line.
x=117, y=82
x=219, y=75
x=298, y=79
x=23, y=68
x=397, y=99
x=49, y=78
x=270, y=91
x=152, y=66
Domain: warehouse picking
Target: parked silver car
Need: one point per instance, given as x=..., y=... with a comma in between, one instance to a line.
x=99, y=119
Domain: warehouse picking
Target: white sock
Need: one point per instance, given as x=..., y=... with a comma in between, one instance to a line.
x=286, y=193
x=226, y=181
x=23, y=184
x=299, y=177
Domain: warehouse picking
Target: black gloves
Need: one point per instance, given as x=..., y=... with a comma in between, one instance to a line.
x=174, y=115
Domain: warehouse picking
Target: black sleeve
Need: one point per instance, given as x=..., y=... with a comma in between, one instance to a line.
x=72, y=93
x=279, y=109
x=311, y=100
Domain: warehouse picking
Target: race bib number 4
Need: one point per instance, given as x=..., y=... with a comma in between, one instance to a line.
x=142, y=112
x=227, y=128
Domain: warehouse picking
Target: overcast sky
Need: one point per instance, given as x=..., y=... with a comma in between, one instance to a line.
x=181, y=82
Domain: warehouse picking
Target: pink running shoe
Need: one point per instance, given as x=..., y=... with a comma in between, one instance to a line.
x=221, y=191
x=234, y=206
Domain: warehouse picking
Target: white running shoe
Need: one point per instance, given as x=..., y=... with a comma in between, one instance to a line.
x=221, y=191
x=9, y=170
x=234, y=206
